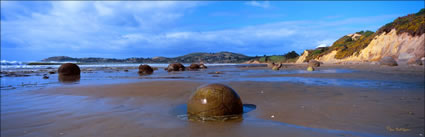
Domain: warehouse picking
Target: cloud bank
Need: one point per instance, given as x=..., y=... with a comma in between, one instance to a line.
x=36, y=30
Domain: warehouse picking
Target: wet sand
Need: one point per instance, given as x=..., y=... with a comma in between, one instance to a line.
x=392, y=106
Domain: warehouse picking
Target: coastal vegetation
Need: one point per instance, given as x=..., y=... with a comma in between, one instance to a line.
x=413, y=24
x=285, y=58
x=349, y=45
x=220, y=57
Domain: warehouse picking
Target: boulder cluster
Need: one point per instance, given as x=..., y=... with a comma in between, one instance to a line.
x=181, y=67
x=175, y=67
x=195, y=66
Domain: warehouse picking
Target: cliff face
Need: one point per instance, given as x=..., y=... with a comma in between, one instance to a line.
x=403, y=39
x=302, y=57
x=401, y=47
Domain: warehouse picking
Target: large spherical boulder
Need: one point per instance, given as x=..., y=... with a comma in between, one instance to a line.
x=69, y=78
x=389, y=61
x=69, y=69
x=176, y=67
x=313, y=63
x=213, y=100
x=194, y=66
x=145, y=70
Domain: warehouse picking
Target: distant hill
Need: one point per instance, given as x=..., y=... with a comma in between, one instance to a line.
x=220, y=57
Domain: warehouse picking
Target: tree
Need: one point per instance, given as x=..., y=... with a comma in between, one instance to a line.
x=291, y=55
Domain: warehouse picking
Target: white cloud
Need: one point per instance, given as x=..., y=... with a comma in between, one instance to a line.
x=264, y=4
x=81, y=24
x=325, y=43
x=147, y=28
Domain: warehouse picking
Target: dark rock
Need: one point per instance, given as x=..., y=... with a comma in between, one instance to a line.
x=69, y=78
x=194, y=66
x=389, y=61
x=126, y=70
x=69, y=69
x=52, y=72
x=145, y=69
x=175, y=67
x=45, y=76
x=313, y=63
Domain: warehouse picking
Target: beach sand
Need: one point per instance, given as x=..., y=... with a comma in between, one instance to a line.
x=276, y=108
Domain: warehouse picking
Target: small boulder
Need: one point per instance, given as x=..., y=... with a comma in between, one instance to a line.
x=45, y=76
x=389, y=61
x=145, y=70
x=194, y=66
x=310, y=68
x=69, y=69
x=414, y=61
x=277, y=66
x=313, y=63
x=175, y=67
x=202, y=66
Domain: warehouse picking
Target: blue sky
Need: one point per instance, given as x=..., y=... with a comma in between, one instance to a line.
x=32, y=30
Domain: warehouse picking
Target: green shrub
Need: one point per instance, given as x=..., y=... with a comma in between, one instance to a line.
x=413, y=24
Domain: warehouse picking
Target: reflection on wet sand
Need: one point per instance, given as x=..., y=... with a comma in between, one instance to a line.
x=69, y=79
x=324, y=103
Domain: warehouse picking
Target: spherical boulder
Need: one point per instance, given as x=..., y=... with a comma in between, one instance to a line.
x=69, y=79
x=310, y=68
x=212, y=100
x=313, y=63
x=176, y=67
x=145, y=70
x=389, y=61
x=194, y=66
x=69, y=69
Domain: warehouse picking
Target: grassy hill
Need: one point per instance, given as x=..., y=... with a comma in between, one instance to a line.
x=220, y=57
x=413, y=24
